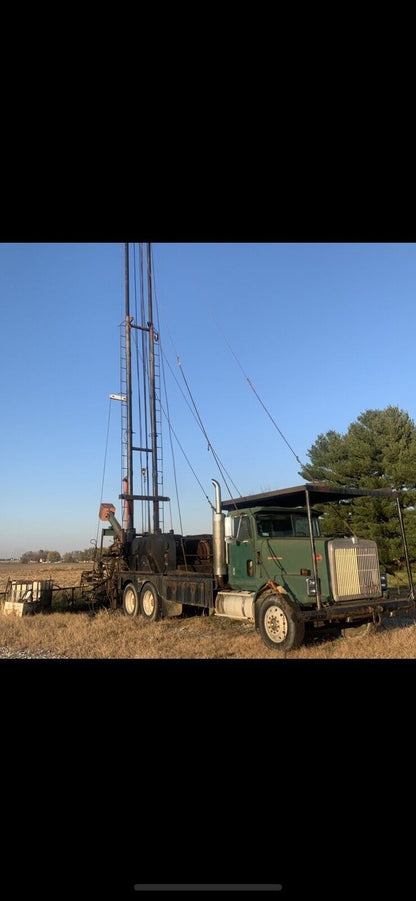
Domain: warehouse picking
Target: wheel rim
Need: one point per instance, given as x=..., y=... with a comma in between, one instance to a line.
x=148, y=602
x=129, y=601
x=275, y=624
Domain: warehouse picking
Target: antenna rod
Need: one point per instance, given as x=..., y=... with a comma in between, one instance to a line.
x=129, y=503
x=156, y=527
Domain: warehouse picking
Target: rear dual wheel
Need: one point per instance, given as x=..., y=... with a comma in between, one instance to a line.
x=148, y=602
x=130, y=600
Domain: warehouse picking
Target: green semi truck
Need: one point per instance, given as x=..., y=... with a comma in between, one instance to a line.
x=265, y=563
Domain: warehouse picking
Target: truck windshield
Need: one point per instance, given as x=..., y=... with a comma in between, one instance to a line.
x=285, y=525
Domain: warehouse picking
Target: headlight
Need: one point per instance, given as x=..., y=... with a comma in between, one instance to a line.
x=311, y=587
x=383, y=581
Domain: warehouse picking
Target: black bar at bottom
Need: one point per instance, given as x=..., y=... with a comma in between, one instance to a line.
x=168, y=887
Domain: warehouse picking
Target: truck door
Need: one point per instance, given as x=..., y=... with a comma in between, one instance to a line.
x=273, y=530
x=241, y=554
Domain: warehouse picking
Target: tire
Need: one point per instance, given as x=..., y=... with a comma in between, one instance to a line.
x=150, y=603
x=131, y=606
x=280, y=628
x=359, y=631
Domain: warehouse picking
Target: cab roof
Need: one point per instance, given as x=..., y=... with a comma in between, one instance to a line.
x=318, y=492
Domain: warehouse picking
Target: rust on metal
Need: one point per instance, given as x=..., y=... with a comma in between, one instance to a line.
x=275, y=587
x=105, y=510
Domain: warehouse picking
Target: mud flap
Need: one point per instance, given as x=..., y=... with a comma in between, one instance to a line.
x=171, y=608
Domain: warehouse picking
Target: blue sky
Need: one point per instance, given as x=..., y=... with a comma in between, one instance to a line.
x=322, y=331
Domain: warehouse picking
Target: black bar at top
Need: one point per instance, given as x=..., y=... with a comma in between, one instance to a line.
x=207, y=887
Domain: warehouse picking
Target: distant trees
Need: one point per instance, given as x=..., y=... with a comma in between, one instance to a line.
x=79, y=556
x=53, y=557
x=40, y=557
x=43, y=556
x=377, y=451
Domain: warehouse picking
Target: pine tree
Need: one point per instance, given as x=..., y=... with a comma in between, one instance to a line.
x=377, y=451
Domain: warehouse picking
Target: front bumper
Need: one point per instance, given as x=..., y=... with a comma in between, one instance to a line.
x=358, y=610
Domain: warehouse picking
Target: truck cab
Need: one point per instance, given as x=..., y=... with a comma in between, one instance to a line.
x=283, y=574
x=272, y=544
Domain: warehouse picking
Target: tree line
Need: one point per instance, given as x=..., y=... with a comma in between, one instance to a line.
x=378, y=450
x=43, y=556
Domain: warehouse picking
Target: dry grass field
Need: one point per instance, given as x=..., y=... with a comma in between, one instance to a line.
x=110, y=635
x=63, y=574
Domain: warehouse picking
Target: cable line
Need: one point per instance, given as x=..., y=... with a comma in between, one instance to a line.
x=104, y=468
x=194, y=410
x=188, y=461
x=167, y=415
x=298, y=460
x=209, y=445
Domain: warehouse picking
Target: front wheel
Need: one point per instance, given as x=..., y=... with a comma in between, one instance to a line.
x=150, y=603
x=279, y=626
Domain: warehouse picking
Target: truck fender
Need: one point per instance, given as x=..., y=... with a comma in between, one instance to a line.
x=268, y=587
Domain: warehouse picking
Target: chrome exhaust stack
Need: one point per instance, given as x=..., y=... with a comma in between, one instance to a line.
x=218, y=535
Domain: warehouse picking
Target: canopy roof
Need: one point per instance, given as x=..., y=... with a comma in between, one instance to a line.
x=318, y=492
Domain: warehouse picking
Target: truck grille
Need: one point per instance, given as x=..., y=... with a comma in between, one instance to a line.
x=355, y=569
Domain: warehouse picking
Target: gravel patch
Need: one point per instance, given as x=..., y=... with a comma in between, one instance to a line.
x=24, y=655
